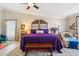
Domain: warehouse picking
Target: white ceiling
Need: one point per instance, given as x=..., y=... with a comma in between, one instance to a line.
x=55, y=10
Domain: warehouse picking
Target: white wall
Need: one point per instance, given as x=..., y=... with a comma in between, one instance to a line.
x=70, y=20
x=27, y=19
x=1, y=16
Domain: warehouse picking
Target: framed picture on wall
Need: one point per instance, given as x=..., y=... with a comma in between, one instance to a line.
x=22, y=26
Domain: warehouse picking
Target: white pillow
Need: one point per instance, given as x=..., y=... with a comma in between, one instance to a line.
x=39, y=31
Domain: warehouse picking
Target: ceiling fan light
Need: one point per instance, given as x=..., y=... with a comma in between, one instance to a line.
x=30, y=4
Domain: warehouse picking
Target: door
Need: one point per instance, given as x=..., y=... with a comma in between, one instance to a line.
x=11, y=29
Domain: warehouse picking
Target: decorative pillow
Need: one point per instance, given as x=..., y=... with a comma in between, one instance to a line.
x=39, y=31
x=33, y=31
x=46, y=31
x=67, y=35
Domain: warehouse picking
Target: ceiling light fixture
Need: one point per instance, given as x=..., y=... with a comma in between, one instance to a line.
x=29, y=5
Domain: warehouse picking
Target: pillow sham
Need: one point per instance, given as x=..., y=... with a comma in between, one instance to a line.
x=39, y=31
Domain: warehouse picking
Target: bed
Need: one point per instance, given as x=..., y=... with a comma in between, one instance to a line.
x=39, y=34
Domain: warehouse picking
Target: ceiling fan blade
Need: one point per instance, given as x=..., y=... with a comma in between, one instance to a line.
x=36, y=6
x=28, y=7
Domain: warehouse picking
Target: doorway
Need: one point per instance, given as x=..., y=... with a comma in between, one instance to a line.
x=10, y=30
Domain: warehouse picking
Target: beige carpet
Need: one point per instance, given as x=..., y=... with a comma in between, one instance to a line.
x=66, y=52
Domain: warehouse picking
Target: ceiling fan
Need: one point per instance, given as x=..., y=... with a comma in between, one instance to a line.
x=29, y=5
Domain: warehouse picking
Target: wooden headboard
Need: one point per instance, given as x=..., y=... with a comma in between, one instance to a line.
x=39, y=25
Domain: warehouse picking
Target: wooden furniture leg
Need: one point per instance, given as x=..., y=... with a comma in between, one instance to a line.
x=26, y=51
x=51, y=52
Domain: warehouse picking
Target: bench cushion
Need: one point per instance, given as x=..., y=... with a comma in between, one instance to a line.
x=39, y=45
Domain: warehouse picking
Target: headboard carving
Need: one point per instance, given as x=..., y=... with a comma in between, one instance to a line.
x=35, y=22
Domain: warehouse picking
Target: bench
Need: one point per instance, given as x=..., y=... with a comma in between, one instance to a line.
x=41, y=46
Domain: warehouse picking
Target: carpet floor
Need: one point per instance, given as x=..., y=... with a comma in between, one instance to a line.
x=65, y=52
x=4, y=44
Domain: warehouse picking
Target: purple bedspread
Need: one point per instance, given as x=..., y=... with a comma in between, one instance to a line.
x=41, y=38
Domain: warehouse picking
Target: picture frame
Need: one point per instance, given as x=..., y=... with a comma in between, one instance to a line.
x=22, y=26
